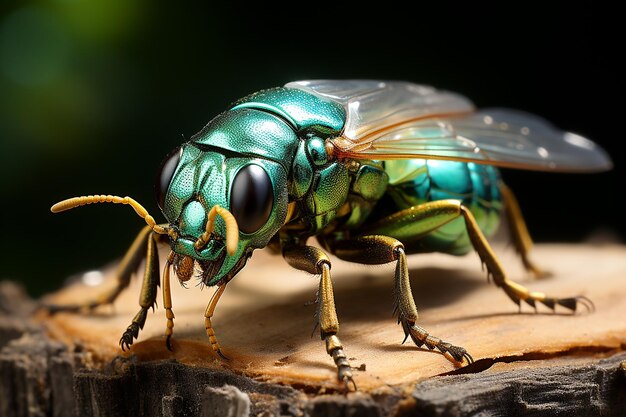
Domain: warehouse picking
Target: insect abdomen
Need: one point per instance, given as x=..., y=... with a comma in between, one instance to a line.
x=417, y=181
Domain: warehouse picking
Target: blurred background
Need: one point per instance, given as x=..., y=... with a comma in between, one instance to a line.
x=93, y=95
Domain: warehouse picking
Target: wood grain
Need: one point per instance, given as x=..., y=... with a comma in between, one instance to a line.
x=264, y=324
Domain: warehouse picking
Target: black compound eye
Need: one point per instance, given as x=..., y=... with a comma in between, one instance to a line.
x=251, y=198
x=165, y=174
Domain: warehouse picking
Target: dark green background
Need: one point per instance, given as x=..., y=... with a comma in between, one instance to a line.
x=93, y=94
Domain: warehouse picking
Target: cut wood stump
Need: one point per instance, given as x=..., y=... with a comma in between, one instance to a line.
x=528, y=363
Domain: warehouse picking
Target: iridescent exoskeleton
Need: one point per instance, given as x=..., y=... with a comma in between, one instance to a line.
x=374, y=170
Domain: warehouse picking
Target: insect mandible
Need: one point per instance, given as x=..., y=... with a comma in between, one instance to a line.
x=374, y=170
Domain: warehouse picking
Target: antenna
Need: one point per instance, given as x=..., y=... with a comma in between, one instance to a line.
x=74, y=202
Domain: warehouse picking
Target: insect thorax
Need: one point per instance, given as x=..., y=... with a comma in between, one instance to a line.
x=317, y=185
x=323, y=192
x=339, y=193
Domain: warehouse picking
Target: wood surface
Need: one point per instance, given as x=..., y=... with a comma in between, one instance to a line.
x=526, y=364
x=264, y=323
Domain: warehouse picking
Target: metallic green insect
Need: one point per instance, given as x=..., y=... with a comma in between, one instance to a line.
x=375, y=170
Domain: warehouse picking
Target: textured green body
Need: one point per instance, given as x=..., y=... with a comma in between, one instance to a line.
x=302, y=110
x=284, y=131
x=316, y=184
x=417, y=181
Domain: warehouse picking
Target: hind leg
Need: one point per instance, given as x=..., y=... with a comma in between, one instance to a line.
x=422, y=219
x=519, y=232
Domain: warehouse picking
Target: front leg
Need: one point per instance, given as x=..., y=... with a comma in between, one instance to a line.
x=129, y=264
x=208, y=314
x=314, y=261
x=147, y=297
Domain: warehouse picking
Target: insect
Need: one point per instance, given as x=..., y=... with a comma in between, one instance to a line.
x=374, y=170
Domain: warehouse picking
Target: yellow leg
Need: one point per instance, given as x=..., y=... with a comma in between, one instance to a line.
x=422, y=219
x=167, y=301
x=519, y=232
x=147, y=296
x=515, y=291
x=129, y=264
x=144, y=247
x=207, y=320
x=314, y=261
x=377, y=249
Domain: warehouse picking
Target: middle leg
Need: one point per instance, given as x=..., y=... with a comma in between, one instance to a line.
x=378, y=249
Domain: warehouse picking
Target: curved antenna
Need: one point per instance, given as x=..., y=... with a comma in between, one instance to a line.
x=74, y=202
x=232, y=229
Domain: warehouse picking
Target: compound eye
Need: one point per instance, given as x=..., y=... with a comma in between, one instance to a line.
x=165, y=175
x=252, y=198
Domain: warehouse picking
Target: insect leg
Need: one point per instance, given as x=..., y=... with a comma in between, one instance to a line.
x=315, y=261
x=147, y=297
x=167, y=301
x=126, y=268
x=377, y=249
x=424, y=218
x=519, y=232
x=515, y=291
x=210, y=309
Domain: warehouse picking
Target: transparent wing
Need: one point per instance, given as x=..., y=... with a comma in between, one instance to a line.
x=499, y=137
x=372, y=106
